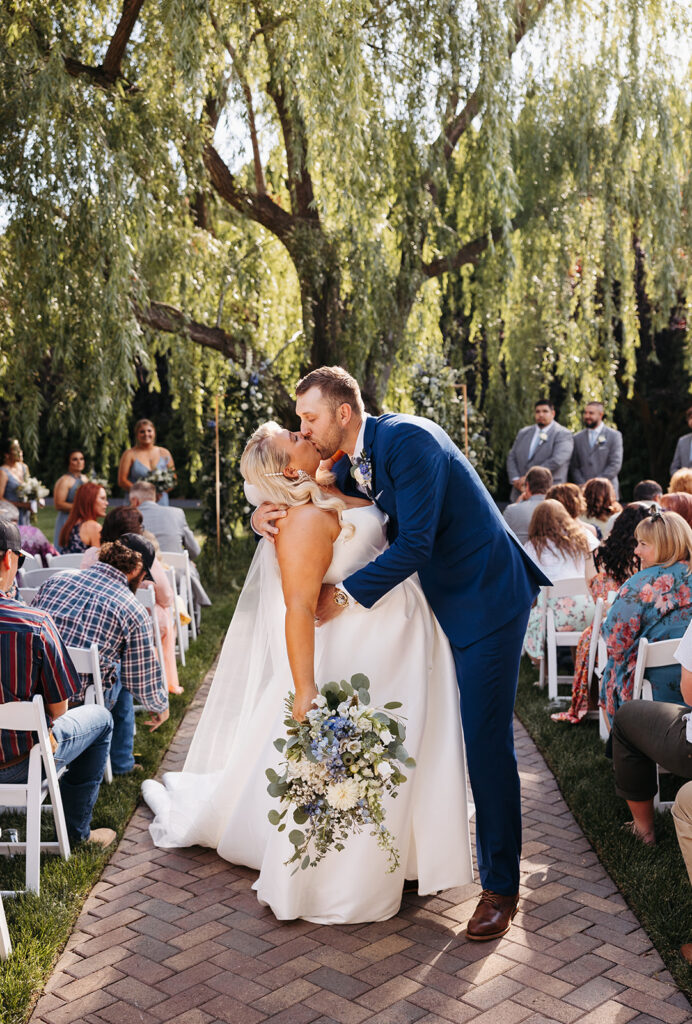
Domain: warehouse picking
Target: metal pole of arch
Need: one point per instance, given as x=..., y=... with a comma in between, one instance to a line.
x=466, y=420
x=218, y=481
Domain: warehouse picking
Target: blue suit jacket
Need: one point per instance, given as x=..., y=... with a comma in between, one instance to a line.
x=443, y=525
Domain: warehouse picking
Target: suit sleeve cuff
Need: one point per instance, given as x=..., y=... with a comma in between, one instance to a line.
x=342, y=588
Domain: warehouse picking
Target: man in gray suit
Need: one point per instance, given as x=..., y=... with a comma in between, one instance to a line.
x=537, y=483
x=683, y=450
x=546, y=444
x=169, y=526
x=597, y=449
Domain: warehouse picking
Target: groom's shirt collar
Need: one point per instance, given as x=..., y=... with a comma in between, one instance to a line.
x=360, y=440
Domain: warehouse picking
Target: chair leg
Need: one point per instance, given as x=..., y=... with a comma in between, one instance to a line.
x=33, y=825
x=5, y=943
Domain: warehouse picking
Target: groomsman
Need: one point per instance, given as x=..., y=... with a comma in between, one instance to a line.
x=683, y=450
x=544, y=444
x=597, y=449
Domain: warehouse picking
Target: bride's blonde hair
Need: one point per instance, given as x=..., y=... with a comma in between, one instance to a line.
x=262, y=465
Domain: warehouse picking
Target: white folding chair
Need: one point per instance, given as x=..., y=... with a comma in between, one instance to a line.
x=30, y=716
x=655, y=654
x=31, y=562
x=73, y=561
x=180, y=561
x=181, y=644
x=147, y=597
x=86, y=661
x=560, y=638
x=27, y=594
x=35, y=577
x=5, y=943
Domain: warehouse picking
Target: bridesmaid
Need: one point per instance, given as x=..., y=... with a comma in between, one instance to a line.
x=81, y=529
x=137, y=462
x=65, y=489
x=14, y=471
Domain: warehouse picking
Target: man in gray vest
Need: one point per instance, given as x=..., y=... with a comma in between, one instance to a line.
x=537, y=483
x=683, y=450
x=545, y=444
x=597, y=449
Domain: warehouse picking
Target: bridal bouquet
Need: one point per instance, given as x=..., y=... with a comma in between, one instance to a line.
x=33, y=491
x=163, y=479
x=338, y=764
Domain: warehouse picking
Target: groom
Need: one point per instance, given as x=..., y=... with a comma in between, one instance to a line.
x=479, y=582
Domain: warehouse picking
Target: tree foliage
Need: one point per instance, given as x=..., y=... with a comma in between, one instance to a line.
x=230, y=181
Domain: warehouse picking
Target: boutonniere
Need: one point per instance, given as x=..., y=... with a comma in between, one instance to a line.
x=361, y=471
x=601, y=439
x=542, y=437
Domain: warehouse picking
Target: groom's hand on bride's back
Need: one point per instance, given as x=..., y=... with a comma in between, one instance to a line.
x=263, y=520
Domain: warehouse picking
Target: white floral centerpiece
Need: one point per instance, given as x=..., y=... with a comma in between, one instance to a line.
x=338, y=764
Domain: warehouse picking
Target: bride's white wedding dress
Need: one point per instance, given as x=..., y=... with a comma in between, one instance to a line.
x=220, y=799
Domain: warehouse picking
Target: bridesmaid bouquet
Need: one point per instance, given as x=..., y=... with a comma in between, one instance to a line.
x=337, y=766
x=33, y=491
x=163, y=479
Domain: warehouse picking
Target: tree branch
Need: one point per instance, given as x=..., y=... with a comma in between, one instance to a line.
x=247, y=93
x=259, y=208
x=110, y=70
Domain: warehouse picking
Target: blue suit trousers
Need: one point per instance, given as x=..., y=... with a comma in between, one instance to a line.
x=487, y=673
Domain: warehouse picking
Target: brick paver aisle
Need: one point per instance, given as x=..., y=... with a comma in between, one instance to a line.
x=178, y=937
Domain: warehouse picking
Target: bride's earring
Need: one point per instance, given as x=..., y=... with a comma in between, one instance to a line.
x=302, y=476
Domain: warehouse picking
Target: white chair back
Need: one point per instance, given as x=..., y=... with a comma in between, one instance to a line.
x=147, y=597
x=653, y=654
x=563, y=638
x=27, y=594
x=29, y=716
x=86, y=661
x=180, y=561
x=36, y=577
x=181, y=643
x=31, y=562
x=73, y=561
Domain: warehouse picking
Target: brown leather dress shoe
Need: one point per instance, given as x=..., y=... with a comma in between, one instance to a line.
x=686, y=952
x=492, y=917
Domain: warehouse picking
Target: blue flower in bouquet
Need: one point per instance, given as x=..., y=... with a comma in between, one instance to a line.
x=338, y=765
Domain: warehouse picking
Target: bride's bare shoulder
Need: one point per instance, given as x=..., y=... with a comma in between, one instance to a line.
x=309, y=520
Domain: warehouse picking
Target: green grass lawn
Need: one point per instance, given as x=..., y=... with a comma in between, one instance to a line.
x=40, y=925
x=653, y=880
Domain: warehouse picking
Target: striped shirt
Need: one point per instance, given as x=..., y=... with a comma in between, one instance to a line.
x=33, y=659
x=96, y=605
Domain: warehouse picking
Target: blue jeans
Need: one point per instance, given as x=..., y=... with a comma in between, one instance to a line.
x=83, y=736
x=119, y=701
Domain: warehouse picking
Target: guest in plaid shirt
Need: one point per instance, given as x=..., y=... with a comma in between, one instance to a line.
x=33, y=659
x=97, y=605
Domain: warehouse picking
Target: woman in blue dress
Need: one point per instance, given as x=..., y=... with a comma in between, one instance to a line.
x=65, y=489
x=656, y=603
x=143, y=458
x=14, y=472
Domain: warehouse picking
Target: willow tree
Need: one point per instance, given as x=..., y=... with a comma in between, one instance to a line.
x=196, y=175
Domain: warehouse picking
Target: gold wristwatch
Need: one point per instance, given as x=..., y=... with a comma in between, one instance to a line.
x=341, y=598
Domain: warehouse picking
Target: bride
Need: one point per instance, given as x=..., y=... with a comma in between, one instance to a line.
x=220, y=798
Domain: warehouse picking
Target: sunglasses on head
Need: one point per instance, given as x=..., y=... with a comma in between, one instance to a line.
x=655, y=513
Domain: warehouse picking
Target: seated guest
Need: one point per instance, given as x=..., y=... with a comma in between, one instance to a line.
x=647, y=491
x=537, y=482
x=655, y=602
x=680, y=502
x=65, y=489
x=681, y=482
x=125, y=520
x=571, y=497
x=35, y=542
x=682, y=816
x=169, y=526
x=602, y=507
x=613, y=563
x=34, y=660
x=97, y=605
x=81, y=530
x=561, y=547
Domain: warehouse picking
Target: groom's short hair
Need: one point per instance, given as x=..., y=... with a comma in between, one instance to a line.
x=336, y=385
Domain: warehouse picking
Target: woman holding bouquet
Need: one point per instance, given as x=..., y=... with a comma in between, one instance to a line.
x=15, y=473
x=220, y=799
x=144, y=459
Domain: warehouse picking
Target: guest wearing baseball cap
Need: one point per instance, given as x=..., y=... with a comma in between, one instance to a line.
x=35, y=661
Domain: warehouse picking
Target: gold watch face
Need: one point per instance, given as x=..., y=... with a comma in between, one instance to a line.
x=340, y=597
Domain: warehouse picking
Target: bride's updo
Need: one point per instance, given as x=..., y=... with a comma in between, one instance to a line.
x=262, y=465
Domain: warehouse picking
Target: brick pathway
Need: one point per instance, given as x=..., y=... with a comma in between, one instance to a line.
x=178, y=937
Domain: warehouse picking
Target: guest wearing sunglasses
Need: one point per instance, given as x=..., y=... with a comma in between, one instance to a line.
x=655, y=603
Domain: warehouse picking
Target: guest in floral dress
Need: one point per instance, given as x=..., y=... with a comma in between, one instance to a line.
x=82, y=529
x=614, y=562
x=561, y=547
x=656, y=603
